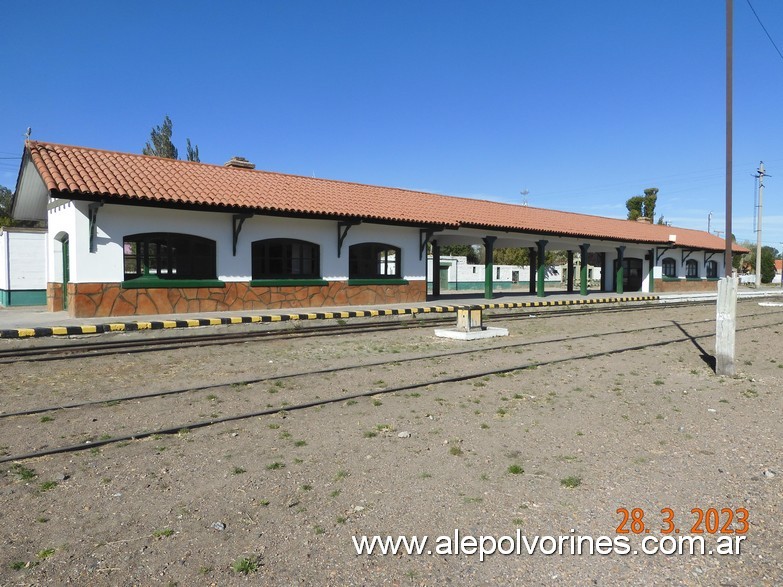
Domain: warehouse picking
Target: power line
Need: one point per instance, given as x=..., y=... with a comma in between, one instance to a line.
x=765, y=28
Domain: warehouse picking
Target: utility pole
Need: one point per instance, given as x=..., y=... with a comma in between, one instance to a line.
x=726, y=315
x=760, y=175
x=709, y=220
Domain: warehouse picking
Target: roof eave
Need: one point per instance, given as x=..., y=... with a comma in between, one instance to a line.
x=233, y=209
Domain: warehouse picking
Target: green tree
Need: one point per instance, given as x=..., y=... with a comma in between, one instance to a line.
x=160, y=144
x=461, y=251
x=634, y=205
x=768, y=255
x=510, y=256
x=643, y=206
x=5, y=206
x=650, y=199
x=742, y=262
x=192, y=152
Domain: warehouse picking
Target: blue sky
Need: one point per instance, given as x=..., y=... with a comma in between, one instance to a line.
x=583, y=104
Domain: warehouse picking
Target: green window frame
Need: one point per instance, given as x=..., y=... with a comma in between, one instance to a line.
x=169, y=256
x=374, y=261
x=669, y=267
x=285, y=258
x=692, y=269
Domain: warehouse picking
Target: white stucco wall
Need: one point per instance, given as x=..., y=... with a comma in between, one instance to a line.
x=697, y=256
x=460, y=271
x=115, y=222
x=62, y=220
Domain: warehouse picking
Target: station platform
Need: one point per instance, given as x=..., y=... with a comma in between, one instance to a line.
x=37, y=322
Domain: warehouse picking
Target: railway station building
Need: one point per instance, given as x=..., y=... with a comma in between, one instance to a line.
x=131, y=234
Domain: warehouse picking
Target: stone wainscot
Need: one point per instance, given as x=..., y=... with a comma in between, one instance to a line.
x=89, y=300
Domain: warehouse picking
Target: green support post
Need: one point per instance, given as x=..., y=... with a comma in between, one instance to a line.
x=489, y=242
x=651, y=272
x=541, y=267
x=435, y=269
x=583, y=269
x=618, y=279
x=533, y=268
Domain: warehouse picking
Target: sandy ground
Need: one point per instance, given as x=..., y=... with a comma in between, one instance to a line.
x=622, y=412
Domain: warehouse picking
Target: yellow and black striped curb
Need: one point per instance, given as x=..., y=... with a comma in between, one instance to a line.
x=364, y=313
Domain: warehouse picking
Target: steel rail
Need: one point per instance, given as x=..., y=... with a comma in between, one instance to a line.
x=168, y=430
x=245, y=382
x=107, y=348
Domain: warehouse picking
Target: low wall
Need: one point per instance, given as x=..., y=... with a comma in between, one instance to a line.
x=88, y=300
x=54, y=297
x=685, y=285
x=22, y=297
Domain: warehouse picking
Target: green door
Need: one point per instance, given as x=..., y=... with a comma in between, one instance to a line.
x=632, y=274
x=66, y=272
x=444, y=277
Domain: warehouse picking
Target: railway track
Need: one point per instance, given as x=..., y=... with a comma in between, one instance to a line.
x=81, y=424
x=98, y=348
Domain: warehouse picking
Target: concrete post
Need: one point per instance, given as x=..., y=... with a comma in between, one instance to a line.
x=725, y=326
x=435, y=269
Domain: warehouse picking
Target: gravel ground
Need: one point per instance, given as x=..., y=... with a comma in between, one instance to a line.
x=621, y=411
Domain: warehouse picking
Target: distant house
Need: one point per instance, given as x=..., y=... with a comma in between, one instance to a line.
x=778, y=270
x=131, y=234
x=456, y=274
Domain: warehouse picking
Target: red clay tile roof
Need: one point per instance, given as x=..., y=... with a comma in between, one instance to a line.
x=114, y=176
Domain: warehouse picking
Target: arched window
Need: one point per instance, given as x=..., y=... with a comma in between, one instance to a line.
x=167, y=255
x=285, y=258
x=691, y=268
x=373, y=261
x=669, y=266
x=712, y=269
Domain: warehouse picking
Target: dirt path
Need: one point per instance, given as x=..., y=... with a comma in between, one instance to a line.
x=547, y=451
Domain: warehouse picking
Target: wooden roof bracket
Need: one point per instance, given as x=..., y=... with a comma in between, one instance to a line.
x=425, y=234
x=708, y=257
x=236, y=227
x=92, y=211
x=343, y=226
x=684, y=256
x=659, y=255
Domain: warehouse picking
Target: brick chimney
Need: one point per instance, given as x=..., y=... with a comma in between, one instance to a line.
x=639, y=219
x=240, y=163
